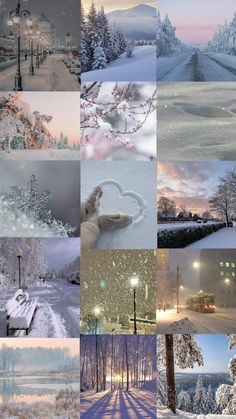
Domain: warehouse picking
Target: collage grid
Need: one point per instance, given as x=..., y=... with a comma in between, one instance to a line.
x=117, y=209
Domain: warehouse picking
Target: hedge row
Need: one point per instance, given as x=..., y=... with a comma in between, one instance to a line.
x=183, y=236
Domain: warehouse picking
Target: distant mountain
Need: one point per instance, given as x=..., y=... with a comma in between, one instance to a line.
x=136, y=23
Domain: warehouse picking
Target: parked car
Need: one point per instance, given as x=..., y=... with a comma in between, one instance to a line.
x=230, y=224
x=73, y=278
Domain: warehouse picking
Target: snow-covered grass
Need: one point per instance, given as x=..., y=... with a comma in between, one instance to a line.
x=164, y=413
x=140, y=67
x=66, y=405
x=199, y=130
x=139, y=187
x=46, y=154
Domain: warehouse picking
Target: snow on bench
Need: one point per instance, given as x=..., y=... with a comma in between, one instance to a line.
x=20, y=312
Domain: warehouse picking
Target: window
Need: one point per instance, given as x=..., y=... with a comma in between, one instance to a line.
x=227, y=264
x=233, y=265
x=233, y=273
x=221, y=273
x=221, y=264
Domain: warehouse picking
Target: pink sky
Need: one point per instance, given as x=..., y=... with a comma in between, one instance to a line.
x=195, y=21
x=62, y=106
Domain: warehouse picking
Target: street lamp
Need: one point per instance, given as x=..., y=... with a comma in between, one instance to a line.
x=15, y=18
x=68, y=40
x=134, y=283
x=227, y=281
x=96, y=311
x=19, y=255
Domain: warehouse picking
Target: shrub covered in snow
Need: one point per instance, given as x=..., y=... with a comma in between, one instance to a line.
x=183, y=236
x=67, y=401
x=224, y=39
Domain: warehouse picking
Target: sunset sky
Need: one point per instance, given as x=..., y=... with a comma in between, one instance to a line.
x=71, y=344
x=190, y=183
x=196, y=20
x=111, y=5
x=63, y=106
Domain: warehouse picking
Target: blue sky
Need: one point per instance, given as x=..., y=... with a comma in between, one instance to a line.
x=216, y=354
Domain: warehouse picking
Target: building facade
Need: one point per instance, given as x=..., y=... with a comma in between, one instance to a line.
x=218, y=275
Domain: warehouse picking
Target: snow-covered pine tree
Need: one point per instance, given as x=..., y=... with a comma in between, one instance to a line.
x=200, y=398
x=180, y=350
x=130, y=49
x=210, y=401
x=226, y=394
x=184, y=401
x=167, y=43
x=99, y=58
x=84, y=47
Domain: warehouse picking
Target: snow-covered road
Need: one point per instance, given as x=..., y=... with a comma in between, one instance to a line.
x=57, y=312
x=118, y=404
x=140, y=67
x=224, y=238
x=222, y=321
x=51, y=76
x=195, y=65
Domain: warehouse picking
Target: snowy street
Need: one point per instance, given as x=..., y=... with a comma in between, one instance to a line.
x=195, y=65
x=140, y=67
x=118, y=404
x=164, y=413
x=52, y=75
x=57, y=312
x=222, y=321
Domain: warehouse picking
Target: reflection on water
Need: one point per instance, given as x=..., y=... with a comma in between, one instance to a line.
x=32, y=389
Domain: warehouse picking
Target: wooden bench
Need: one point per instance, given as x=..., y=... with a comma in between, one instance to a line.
x=20, y=312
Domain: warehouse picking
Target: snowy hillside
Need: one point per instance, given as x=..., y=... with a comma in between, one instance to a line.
x=136, y=23
x=140, y=67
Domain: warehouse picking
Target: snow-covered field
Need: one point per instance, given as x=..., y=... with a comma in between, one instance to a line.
x=202, y=129
x=57, y=314
x=140, y=67
x=52, y=75
x=224, y=238
x=187, y=321
x=49, y=154
x=164, y=413
x=118, y=404
x=196, y=65
x=137, y=199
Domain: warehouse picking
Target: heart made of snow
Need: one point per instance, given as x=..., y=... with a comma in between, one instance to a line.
x=115, y=200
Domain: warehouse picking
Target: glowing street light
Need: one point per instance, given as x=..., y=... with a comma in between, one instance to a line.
x=227, y=281
x=134, y=283
x=195, y=265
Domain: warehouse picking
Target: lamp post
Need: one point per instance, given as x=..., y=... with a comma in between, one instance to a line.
x=195, y=265
x=97, y=312
x=15, y=18
x=19, y=256
x=68, y=40
x=134, y=283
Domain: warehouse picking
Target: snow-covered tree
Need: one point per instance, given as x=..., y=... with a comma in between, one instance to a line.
x=222, y=201
x=224, y=38
x=180, y=350
x=184, y=401
x=130, y=49
x=100, y=44
x=200, y=398
x=62, y=142
x=226, y=394
x=167, y=43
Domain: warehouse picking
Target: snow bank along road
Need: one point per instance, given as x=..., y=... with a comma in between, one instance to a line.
x=222, y=321
x=57, y=312
x=222, y=239
x=195, y=65
x=117, y=404
x=52, y=75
